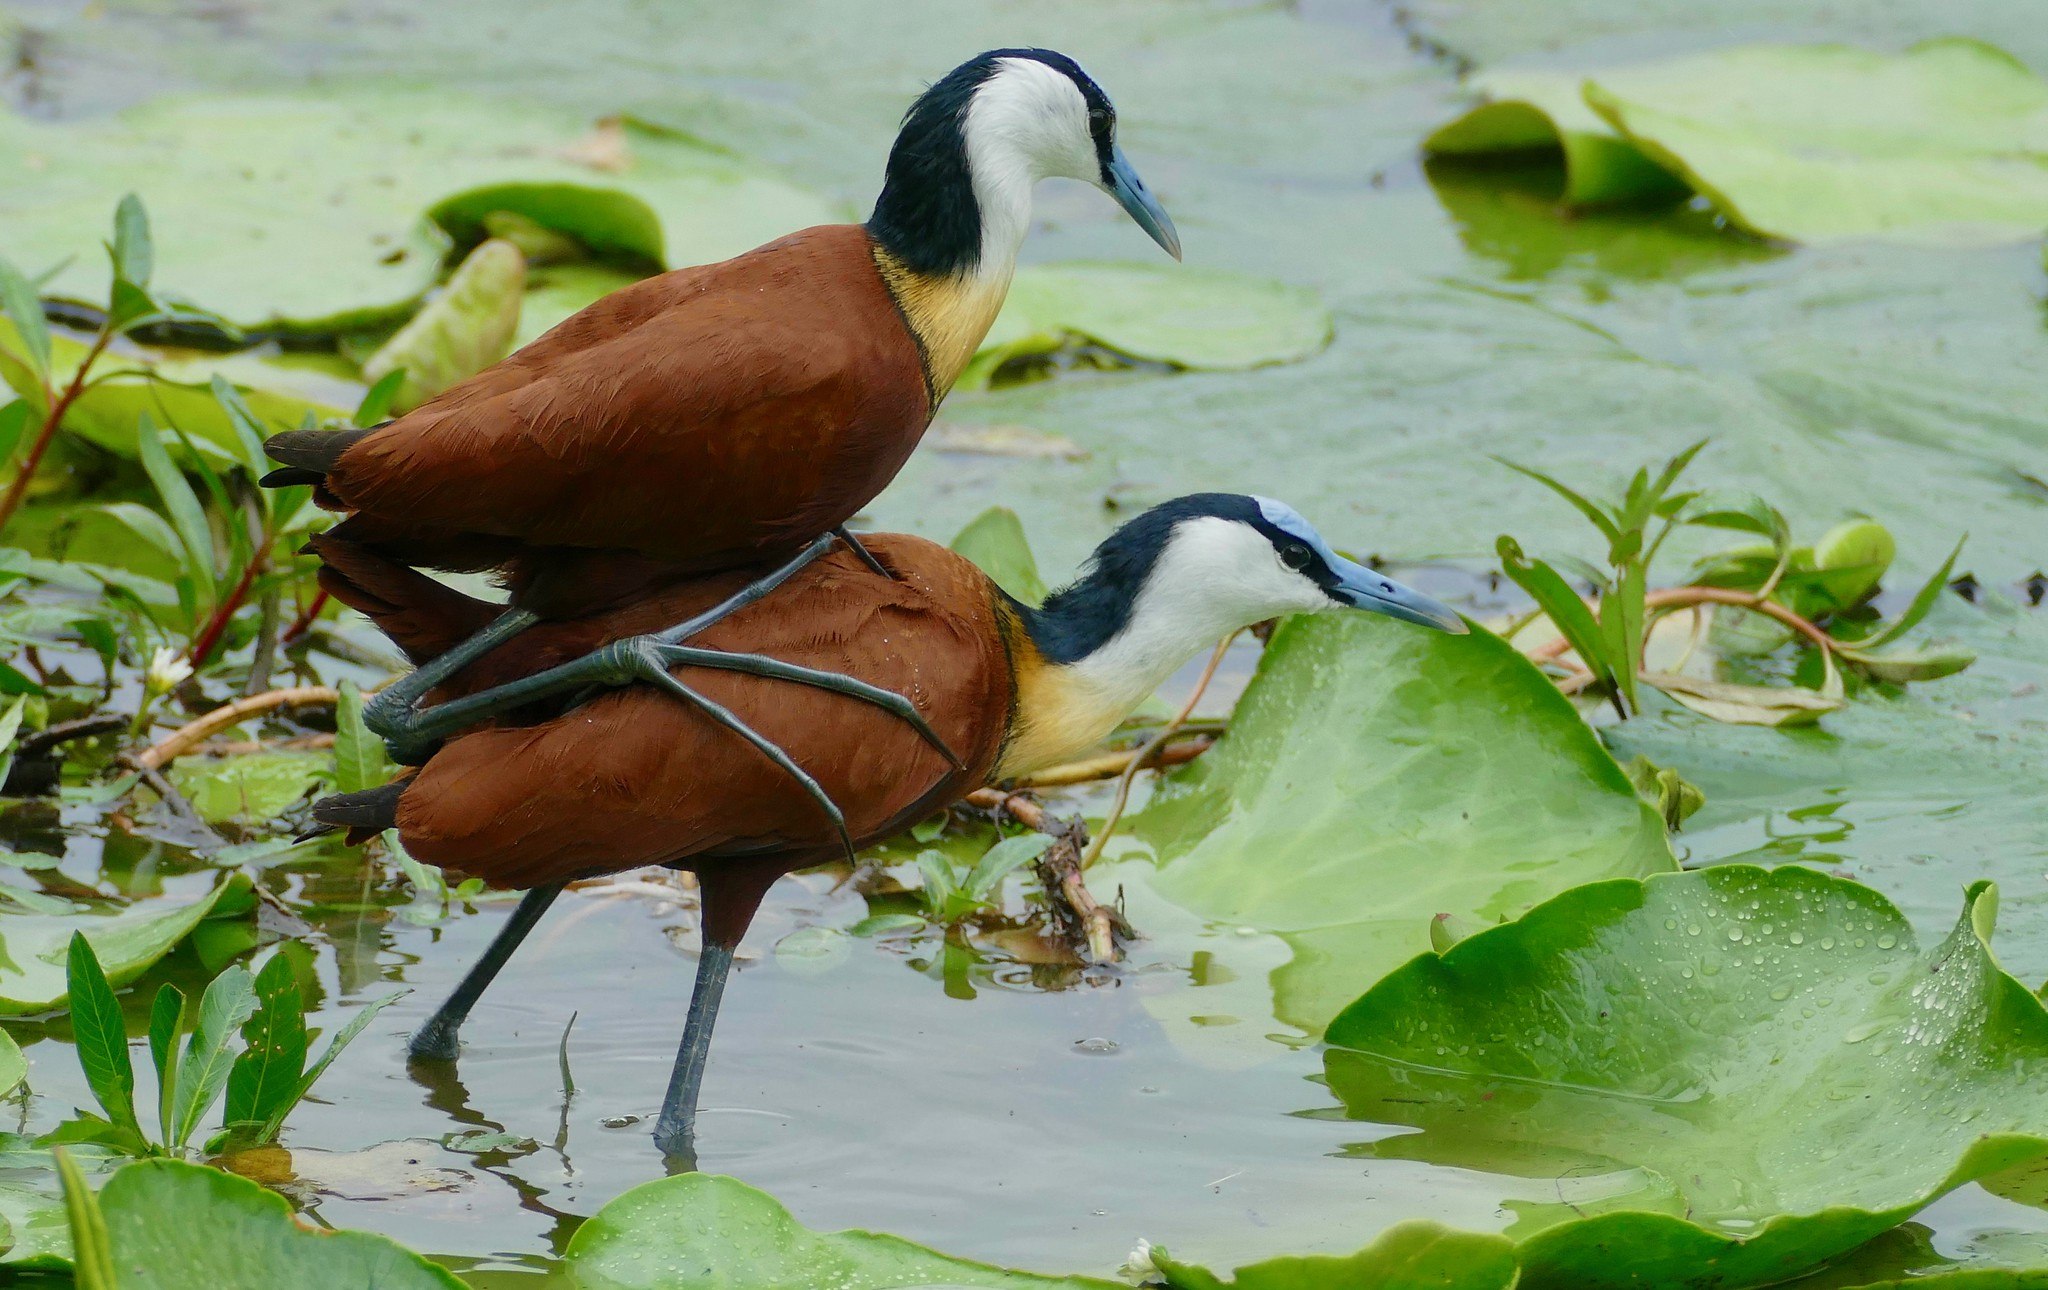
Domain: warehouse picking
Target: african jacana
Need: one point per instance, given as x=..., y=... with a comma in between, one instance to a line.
x=626, y=779
x=721, y=416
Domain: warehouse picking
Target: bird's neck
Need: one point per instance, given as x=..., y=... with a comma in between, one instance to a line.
x=1094, y=652
x=947, y=229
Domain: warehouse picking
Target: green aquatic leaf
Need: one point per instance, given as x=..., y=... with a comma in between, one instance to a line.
x=1741, y=1069
x=1185, y=317
x=178, y=1226
x=273, y=1057
x=1416, y=1255
x=13, y=1066
x=1529, y=111
x=255, y=787
x=203, y=1070
x=173, y=388
x=101, y=1036
x=994, y=540
x=1903, y=665
x=1376, y=775
x=92, y=1256
x=166, y=1012
x=126, y=941
x=1746, y=705
x=463, y=329
x=705, y=1232
x=242, y=229
x=1945, y=144
x=22, y=307
x=360, y=761
x=343, y=1037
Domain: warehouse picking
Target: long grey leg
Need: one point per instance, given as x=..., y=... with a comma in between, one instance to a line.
x=439, y=1039
x=675, y=1132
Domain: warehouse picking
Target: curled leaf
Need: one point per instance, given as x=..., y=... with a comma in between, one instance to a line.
x=461, y=331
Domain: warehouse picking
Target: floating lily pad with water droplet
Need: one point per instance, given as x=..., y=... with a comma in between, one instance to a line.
x=1746, y=1072
x=705, y=1232
x=1376, y=775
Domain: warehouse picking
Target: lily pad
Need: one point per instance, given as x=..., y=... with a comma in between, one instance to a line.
x=243, y=230
x=995, y=542
x=1945, y=144
x=254, y=786
x=1531, y=111
x=1375, y=776
x=1171, y=314
x=461, y=331
x=1745, y=1072
x=177, y=1226
x=127, y=941
x=702, y=1230
x=1412, y=1256
x=35, y=1230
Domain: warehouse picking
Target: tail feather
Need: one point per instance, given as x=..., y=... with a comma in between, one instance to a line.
x=307, y=454
x=365, y=813
x=421, y=616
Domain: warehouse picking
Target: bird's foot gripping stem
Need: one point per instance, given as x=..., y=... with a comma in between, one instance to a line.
x=412, y=733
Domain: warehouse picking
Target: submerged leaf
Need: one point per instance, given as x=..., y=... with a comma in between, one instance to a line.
x=705, y=1232
x=126, y=942
x=253, y=786
x=1376, y=775
x=1746, y=705
x=460, y=332
x=1750, y=1070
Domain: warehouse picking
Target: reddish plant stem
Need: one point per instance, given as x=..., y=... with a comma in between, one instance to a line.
x=304, y=622
x=18, y=490
x=217, y=625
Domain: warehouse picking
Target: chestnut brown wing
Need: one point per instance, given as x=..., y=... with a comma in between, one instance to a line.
x=638, y=777
x=705, y=417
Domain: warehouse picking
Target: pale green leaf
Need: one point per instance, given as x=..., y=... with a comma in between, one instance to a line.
x=1743, y=1069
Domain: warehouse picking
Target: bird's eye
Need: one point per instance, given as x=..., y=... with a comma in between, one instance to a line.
x=1098, y=120
x=1294, y=555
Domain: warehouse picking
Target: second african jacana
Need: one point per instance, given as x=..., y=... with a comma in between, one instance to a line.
x=721, y=416
x=627, y=779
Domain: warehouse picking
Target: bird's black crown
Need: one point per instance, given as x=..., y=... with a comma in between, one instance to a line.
x=927, y=216
x=1079, y=619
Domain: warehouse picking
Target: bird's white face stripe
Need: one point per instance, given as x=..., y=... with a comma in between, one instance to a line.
x=1214, y=576
x=1027, y=122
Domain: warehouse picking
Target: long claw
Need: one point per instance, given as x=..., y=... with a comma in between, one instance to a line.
x=889, y=701
x=867, y=557
x=658, y=675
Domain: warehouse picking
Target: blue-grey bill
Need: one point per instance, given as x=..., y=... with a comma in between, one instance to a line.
x=1131, y=193
x=1375, y=592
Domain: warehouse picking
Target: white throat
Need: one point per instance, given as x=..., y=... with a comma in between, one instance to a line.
x=1213, y=577
x=1027, y=122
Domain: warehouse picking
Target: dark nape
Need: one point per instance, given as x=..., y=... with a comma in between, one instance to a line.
x=1079, y=619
